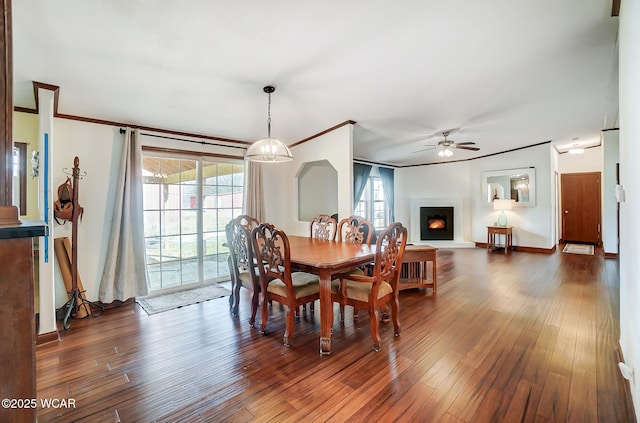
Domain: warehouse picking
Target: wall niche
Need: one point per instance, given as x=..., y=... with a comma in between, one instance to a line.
x=317, y=190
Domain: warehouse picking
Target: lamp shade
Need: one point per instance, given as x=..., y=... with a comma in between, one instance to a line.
x=502, y=204
x=268, y=150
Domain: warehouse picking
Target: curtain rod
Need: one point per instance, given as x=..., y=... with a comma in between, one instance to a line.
x=374, y=163
x=122, y=131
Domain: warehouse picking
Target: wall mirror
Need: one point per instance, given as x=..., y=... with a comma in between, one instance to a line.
x=514, y=184
x=317, y=190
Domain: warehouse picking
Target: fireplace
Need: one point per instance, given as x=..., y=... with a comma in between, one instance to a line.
x=436, y=223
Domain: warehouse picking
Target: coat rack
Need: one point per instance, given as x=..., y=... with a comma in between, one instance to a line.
x=77, y=298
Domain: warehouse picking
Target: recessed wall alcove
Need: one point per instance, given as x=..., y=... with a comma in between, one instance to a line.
x=317, y=190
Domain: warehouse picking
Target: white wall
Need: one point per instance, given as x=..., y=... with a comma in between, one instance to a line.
x=25, y=129
x=592, y=160
x=281, y=183
x=446, y=180
x=98, y=148
x=611, y=156
x=318, y=195
x=629, y=39
x=533, y=226
x=589, y=161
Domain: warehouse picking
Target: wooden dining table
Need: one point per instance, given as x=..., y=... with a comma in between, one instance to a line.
x=326, y=258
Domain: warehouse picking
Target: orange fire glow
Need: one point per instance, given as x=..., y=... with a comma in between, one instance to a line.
x=436, y=224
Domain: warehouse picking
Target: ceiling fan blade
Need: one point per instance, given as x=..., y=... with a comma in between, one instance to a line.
x=424, y=149
x=465, y=143
x=467, y=148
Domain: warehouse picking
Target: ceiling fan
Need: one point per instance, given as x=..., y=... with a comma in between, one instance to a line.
x=445, y=146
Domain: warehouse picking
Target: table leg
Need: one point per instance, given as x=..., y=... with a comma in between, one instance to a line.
x=326, y=312
x=435, y=275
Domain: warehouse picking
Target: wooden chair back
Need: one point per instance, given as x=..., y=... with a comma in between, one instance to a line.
x=272, y=250
x=323, y=227
x=247, y=222
x=355, y=230
x=390, y=247
x=277, y=280
x=242, y=269
x=370, y=292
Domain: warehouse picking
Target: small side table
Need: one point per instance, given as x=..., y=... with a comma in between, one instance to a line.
x=492, y=231
x=415, y=268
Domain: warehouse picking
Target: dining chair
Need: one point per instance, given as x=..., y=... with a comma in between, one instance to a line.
x=241, y=262
x=277, y=280
x=355, y=230
x=381, y=288
x=323, y=227
x=247, y=221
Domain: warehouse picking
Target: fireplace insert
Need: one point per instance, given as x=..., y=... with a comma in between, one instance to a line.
x=436, y=223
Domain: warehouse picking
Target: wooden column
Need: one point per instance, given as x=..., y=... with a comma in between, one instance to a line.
x=6, y=105
x=17, y=319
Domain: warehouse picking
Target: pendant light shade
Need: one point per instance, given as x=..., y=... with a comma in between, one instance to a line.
x=268, y=150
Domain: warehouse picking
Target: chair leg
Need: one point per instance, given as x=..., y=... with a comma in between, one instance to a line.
x=255, y=301
x=395, y=316
x=384, y=316
x=374, y=322
x=231, y=277
x=236, y=297
x=265, y=316
x=288, y=326
x=341, y=313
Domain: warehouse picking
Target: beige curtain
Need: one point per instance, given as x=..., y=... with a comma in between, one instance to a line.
x=253, y=192
x=125, y=270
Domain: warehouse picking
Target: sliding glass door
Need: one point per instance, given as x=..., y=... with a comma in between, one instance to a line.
x=187, y=203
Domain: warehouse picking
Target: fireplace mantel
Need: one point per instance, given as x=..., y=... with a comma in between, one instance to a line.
x=458, y=214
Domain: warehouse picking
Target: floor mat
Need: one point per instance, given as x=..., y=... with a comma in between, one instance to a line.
x=159, y=303
x=578, y=249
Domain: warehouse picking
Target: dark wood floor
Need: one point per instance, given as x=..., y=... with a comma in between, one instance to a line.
x=519, y=338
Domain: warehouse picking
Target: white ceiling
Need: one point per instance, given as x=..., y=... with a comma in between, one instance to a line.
x=507, y=73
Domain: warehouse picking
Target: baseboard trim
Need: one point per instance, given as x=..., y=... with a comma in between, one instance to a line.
x=45, y=338
x=535, y=249
x=524, y=249
x=627, y=391
x=115, y=303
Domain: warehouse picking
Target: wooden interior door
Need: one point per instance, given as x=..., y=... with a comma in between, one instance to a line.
x=581, y=207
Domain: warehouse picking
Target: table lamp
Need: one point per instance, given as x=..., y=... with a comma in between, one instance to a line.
x=502, y=205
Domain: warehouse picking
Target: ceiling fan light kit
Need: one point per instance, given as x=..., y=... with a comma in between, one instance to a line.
x=268, y=150
x=446, y=146
x=445, y=152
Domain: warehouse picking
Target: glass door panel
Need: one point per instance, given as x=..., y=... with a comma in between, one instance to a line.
x=187, y=203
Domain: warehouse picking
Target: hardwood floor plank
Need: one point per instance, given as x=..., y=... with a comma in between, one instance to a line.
x=555, y=398
x=583, y=397
x=524, y=403
x=517, y=338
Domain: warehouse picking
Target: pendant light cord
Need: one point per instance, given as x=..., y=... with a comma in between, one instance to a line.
x=269, y=118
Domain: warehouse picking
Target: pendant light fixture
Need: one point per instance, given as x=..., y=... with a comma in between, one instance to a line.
x=268, y=150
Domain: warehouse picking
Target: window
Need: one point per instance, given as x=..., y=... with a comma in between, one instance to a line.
x=19, y=189
x=372, y=205
x=187, y=203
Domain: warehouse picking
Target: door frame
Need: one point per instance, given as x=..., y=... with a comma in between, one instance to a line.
x=599, y=204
